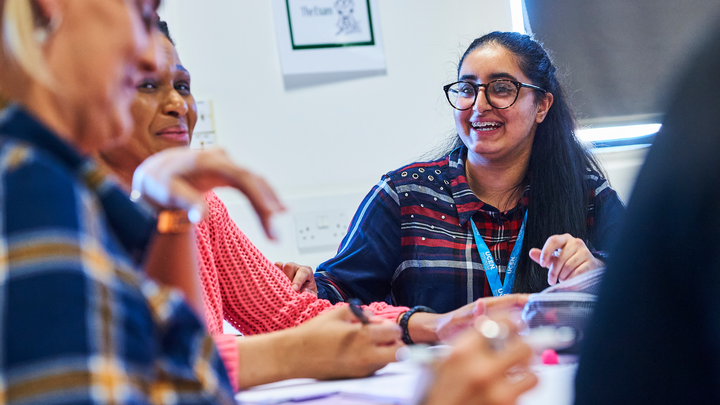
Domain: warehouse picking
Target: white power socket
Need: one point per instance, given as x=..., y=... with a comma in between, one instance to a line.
x=317, y=231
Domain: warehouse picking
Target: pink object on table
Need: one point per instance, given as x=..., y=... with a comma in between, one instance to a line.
x=549, y=357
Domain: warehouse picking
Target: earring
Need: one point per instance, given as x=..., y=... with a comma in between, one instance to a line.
x=42, y=34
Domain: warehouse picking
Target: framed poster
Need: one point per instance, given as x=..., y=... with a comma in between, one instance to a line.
x=329, y=24
x=323, y=36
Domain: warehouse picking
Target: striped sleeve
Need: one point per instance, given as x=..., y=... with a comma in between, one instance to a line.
x=369, y=253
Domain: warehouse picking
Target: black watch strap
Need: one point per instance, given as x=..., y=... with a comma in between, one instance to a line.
x=405, y=319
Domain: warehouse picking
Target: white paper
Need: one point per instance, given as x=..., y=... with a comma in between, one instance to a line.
x=326, y=36
x=398, y=383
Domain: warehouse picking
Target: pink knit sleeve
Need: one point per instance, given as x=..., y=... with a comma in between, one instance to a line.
x=227, y=350
x=257, y=297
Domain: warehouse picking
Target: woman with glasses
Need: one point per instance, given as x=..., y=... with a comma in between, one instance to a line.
x=513, y=205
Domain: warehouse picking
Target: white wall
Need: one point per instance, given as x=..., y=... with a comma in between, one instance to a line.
x=331, y=137
x=621, y=165
x=323, y=146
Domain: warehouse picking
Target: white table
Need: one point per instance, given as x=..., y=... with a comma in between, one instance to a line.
x=397, y=384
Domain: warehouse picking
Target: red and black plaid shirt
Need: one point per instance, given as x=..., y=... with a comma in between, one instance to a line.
x=411, y=239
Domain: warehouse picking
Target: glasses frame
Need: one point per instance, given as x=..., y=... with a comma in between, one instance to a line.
x=476, y=86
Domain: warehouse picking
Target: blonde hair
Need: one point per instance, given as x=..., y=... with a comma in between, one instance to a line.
x=19, y=43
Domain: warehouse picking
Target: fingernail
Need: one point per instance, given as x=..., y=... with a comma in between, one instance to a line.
x=296, y=287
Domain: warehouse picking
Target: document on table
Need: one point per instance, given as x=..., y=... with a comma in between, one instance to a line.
x=399, y=384
x=394, y=384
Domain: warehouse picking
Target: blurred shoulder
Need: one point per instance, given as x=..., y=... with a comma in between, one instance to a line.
x=598, y=186
x=423, y=173
x=37, y=190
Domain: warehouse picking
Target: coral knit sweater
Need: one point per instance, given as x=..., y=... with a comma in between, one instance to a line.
x=243, y=287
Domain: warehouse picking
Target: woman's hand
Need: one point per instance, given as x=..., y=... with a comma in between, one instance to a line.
x=337, y=345
x=572, y=258
x=474, y=373
x=178, y=178
x=302, y=277
x=332, y=345
x=432, y=328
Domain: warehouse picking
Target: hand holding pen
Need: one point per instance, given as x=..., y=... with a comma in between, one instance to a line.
x=565, y=257
x=356, y=308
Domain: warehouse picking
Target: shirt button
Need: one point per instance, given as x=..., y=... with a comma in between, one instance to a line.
x=422, y=205
x=441, y=189
x=443, y=217
x=412, y=216
x=432, y=226
x=423, y=238
x=435, y=198
x=451, y=205
x=406, y=194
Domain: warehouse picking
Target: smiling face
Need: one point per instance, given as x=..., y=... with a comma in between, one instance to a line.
x=495, y=135
x=163, y=110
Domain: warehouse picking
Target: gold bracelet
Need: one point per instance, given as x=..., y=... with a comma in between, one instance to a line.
x=173, y=221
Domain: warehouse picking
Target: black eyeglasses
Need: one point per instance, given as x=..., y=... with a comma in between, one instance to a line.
x=500, y=94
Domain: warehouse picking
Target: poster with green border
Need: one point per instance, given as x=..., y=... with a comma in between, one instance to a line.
x=317, y=24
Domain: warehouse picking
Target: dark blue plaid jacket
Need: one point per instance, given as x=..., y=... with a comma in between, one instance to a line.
x=78, y=322
x=411, y=242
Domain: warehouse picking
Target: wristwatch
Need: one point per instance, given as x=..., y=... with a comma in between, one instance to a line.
x=173, y=221
x=405, y=319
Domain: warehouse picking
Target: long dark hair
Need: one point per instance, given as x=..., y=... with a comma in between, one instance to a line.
x=558, y=162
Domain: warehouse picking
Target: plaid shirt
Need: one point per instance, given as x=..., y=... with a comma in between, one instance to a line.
x=78, y=322
x=411, y=238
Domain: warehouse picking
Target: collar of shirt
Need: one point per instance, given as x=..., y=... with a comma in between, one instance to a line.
x=132, y=223
x=18, y=124
x=466, y=202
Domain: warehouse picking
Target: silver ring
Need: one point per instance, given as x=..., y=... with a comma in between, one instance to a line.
x=495, y=333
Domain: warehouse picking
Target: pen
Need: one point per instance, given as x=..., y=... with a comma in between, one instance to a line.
x=357, y=310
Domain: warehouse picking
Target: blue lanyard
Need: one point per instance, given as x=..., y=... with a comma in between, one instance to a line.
x=491, y=269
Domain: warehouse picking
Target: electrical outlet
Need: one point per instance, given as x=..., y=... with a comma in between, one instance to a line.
x=320, y=230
